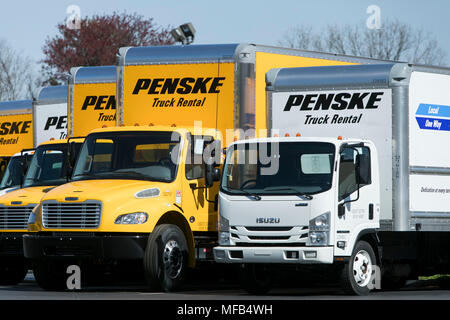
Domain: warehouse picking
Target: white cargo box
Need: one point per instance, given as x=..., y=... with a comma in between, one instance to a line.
x=404, y=109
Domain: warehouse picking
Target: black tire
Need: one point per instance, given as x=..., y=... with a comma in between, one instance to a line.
x=165, y=259
x=255, y=278
x=356, y=276
x=12, y=271
x=50, y=275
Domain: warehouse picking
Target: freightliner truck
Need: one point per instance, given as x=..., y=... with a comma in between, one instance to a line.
x=359, y=184
x=49, y=119
x=148, y=209
x=49, y=116
x=58, y=111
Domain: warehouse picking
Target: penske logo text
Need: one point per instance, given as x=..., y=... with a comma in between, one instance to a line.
x=15, y=127
x=99, y=103
x=342, y=101
x=179, y=85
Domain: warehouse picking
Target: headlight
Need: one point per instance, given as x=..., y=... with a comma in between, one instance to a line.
x=148, y=193
x=224, y=231
x=319, y=230
x=132, y=218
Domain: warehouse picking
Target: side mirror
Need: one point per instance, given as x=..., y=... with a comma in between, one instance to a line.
x=363, y=169
x=211, y=174
x=341, y=210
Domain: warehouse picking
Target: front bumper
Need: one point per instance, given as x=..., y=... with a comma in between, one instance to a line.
x=11, y=244
x=299, y=255
x=98, y=246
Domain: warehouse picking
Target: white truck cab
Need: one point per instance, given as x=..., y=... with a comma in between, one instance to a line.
x=298, y=200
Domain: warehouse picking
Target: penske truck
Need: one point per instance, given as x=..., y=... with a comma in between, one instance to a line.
x=49, y=116
x=144, y=192
x=353, y=181
x=87, y=102
x=49, y=119
x=16, y=129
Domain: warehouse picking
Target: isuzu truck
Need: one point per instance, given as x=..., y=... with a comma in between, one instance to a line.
x=355, y=178
x=149, y=183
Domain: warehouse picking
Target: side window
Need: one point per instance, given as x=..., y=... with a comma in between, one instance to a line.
x=350, y=160
x=195, y=164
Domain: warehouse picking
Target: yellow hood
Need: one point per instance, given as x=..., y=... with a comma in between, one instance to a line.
x=25, y=196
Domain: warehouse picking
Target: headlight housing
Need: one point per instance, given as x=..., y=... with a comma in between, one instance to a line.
x=224, y=231
x=319, y=230
x=132, y=218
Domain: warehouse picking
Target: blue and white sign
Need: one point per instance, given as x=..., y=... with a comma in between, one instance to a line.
x=433, y=117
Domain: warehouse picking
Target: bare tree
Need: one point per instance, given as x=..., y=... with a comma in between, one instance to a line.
x=393, y=41
x=17, y=76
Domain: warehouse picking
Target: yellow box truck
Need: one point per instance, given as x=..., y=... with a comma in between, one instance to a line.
x=145, y=191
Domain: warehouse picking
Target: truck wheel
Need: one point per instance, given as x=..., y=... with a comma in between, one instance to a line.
x=256, y=279
x=49, y=275
x=165, y=259
x=12, y=271
x=356, y=276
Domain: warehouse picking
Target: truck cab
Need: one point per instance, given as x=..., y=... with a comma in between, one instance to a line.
x=48, y=168
x=300, y=201
x=137, y=194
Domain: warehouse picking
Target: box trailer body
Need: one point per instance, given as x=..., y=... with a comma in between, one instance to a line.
x=16, y=129
x=92, y=101
x=392, y=105
x=50, y=114
x=179, y=90
x=398, y=112
x=223, y=86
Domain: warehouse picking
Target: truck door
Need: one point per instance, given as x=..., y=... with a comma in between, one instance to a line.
x=356, y=194
x=198, y=202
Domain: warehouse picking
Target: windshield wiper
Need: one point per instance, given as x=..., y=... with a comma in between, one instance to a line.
x=305, y=195
x=253, y=195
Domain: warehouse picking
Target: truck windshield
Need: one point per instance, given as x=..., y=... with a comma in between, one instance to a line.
x=300, y=168
x=14, y=172
x=129, y=155
x=48, y=166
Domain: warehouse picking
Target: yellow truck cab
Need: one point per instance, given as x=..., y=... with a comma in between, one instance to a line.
x=48, y=168
x=137, y=193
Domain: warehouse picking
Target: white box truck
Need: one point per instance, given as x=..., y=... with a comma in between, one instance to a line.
x=358, y=178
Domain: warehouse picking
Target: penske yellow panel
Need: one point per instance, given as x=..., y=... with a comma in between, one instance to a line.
x=94, y=106
x=179, y=94
x=16, y=133
x=266, y=61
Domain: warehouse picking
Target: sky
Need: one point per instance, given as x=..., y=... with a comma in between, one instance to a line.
x=26, y=24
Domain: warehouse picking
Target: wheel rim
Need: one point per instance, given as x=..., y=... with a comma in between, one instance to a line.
x=362, y=268
x=173, y=259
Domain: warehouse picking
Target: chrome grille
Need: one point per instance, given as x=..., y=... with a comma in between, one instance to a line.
x=287, y=235
x=80, y=215
x=15, y=217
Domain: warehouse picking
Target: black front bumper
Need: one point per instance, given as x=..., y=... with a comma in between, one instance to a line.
x=11, y=244
x=97, y=246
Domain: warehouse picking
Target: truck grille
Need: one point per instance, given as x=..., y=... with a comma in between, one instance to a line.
x=82, y=215
x=251, y=235
x=15, y=217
